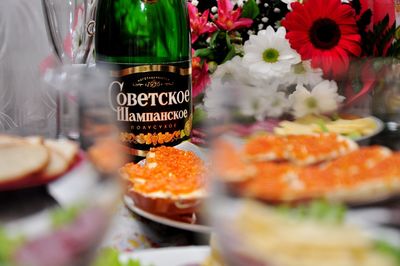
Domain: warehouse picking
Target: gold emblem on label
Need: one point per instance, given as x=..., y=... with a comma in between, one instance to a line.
x=151, y=68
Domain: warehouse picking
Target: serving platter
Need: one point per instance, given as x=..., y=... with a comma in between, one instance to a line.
x=176, y=256
x=378, y=129
x=268, y=126
x=193, y=227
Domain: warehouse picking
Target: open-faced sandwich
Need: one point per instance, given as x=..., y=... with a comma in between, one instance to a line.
x=169, y=181
x=298, y=149
x=316, y=234
x=303, y=167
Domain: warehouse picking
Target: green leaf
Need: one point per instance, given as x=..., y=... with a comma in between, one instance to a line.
x=322, y=125
x=203, y=52
x=214, y=37
x=250, y=9
x=200, y=115
x=388, y=249
x=222, y=47
x=228, y=40
x=231, y=54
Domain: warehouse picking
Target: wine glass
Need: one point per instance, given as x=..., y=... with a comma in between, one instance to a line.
x=25, y=101
x=70, y=26
x=60, y=221
x=386, y=97
x=258, y=221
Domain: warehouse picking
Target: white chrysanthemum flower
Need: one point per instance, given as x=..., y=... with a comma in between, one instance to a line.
x=230, y=68
x=218, y=99
x=323, y=98
x=236, y=69
x=226, y=97
x=303, y=73
x=278, y=105
x=269, y=55
x=260, y=104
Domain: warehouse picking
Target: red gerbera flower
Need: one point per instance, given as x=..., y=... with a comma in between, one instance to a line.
x=324, y=31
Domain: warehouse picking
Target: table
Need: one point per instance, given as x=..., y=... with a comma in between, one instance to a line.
x=127, y=231
x=130, y=232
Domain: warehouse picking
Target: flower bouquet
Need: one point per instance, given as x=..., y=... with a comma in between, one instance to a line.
x=288, y=58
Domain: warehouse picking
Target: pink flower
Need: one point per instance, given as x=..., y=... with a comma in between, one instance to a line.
x=229, y=19
x=200, y=76
x=199, y=23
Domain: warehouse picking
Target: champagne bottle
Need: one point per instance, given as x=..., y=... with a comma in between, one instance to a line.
x=145, y=44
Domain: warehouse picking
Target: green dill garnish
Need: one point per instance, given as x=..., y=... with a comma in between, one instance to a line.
x=60, y=217
x=316, y=210
x=322, y=125
x=388, y=249
x=110, y=257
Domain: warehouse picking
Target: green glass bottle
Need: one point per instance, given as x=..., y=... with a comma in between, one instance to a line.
x=145, y=44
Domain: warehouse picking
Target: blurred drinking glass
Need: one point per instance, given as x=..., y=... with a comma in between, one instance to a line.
x=26, y=104
x=70, y=25
x=80, y=202
x=266, y=207
x=386, y=95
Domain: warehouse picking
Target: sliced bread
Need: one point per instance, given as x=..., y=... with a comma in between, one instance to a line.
x=21, y=159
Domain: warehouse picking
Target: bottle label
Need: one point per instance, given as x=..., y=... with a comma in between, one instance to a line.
x=152, y=104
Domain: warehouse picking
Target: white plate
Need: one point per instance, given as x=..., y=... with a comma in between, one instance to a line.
x=176, y=256
x=198, y=228
x=379, y=127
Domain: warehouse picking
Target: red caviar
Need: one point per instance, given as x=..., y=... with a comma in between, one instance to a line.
x=299, y=149
x=261, y=145
x=341, y=168
x=323, y=146
x=167, y=170
x=272, y=181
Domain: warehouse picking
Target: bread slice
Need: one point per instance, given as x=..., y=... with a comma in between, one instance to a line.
x=34, y=140
x=20, y=159
x=66, y=148
x=57, y=165
x=7, y=140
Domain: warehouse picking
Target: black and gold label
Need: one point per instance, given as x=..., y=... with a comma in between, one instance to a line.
x=152, y=104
